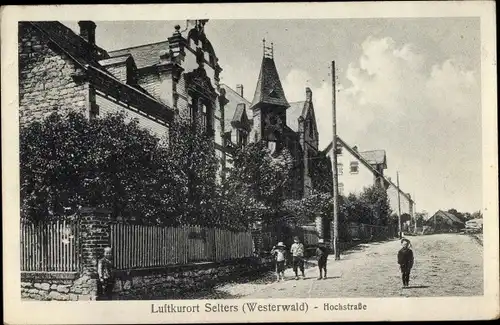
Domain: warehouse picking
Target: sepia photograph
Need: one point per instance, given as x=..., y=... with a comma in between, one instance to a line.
x=191, y=162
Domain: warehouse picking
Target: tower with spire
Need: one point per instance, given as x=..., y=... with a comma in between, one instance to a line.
x=269, y=103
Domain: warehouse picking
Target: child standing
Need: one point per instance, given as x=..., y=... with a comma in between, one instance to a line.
x=322, y=254
x=297, y=251
x=106, y=277
x=405, y=261
x=279, y=254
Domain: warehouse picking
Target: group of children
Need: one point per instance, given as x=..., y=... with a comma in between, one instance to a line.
x=297, y=252
x=404, y=257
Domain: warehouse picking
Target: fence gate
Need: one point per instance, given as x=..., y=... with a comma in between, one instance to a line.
x=197, y=244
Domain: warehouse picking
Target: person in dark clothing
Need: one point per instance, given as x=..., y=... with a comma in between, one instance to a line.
x=105, y=271
x=322, y=254
x=405, y=261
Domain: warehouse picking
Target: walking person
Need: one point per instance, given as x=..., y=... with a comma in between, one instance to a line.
x=322, y=254
x=297, y=251
x=105, y=270
x=279, y=253
x=405, y=261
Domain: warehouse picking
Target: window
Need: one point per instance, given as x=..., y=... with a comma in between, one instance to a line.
x=203, y=116
x=354, y=167
x=200, y=114
x=340, y=168
x=341, y=188
x=242, y=137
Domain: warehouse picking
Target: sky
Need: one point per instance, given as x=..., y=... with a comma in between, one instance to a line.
x=410, y=86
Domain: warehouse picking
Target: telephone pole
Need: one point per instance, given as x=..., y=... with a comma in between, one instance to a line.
x=399, y=208
x=415, y=212
x=335, y=233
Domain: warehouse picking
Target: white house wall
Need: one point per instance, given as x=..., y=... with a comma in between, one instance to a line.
x=392, y=193
x=106, y=106
x=352, y=182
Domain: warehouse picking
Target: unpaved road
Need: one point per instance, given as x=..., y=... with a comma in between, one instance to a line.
x=445, y=265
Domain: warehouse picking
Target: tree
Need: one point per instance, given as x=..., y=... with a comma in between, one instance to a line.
x=377, y=209
x=110, y=162
x=476, y=215
x=257, y=182
x=420, y=218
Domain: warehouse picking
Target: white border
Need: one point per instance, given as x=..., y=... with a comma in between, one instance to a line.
x=465, y=308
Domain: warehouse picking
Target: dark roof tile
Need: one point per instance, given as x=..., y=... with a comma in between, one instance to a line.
x=144, y=55
x=269, y=89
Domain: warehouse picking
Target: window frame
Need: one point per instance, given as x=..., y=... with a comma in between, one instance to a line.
x=356, y=165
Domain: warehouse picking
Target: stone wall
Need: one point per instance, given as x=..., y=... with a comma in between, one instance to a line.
x=46, y=84
x=57, y=286
x=137, y=284
x=157, y=283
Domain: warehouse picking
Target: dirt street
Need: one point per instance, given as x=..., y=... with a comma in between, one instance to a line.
x=445, y=265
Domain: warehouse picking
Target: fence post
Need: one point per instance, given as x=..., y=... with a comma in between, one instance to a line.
x=95, y=235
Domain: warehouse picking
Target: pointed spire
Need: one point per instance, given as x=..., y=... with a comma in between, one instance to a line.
x=268, y=50
x=269, y=89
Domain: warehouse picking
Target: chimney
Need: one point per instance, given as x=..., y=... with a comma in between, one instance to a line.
x=309, y=94
x=355, y=148
x=87, y=30
x=239, y=89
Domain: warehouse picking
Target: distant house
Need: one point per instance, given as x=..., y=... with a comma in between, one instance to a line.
x=443, y=221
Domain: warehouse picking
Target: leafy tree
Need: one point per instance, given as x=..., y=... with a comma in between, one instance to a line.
x=258, y=180
x=420, y=218
x=476, y=215
x=377, y=209
x=69, y=162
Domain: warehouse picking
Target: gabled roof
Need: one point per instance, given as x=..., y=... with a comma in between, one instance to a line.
x=231, y=107
x=269, y=89
x=71, y=43
x=87, y=56
x=239, y=113
x=293, y=113
x=375, y=157
x=144, y=55
x=115, y=60
x=447, y=216
x=365, y=162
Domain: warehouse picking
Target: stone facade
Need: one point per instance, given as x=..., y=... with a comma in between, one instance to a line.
x=46, y=78
x=57, y=286
x=60, y=71
x=150, y=284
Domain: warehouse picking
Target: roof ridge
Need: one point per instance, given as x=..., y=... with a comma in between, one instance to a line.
x=237, y=94
x=137, y=46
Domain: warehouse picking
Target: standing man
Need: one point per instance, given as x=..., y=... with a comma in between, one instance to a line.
x=105, y=270
x=297, y=251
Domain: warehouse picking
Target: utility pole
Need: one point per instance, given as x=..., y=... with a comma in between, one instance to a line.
x=334, y=170
x=399, y=208
x=415, y=212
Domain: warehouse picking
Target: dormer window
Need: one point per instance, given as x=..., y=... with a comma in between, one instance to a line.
x=273, y=94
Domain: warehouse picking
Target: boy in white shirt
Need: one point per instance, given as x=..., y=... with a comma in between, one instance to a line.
x=297, y=251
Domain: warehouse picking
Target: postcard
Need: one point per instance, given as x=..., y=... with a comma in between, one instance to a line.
x=250, y=162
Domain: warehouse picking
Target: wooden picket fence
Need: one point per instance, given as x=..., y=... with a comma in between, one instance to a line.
x=139, y=246
x=50, y=246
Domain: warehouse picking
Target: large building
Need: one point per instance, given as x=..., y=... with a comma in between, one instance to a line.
x=156, y=83
x=270, y=117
